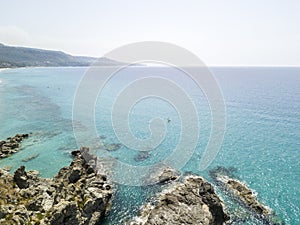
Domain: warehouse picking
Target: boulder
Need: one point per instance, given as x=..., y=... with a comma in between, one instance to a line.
x=21, y=178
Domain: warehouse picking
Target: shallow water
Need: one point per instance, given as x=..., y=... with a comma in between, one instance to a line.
x=261, y=140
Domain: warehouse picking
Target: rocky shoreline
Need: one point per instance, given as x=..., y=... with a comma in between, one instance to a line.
x=77, y=195
x=82, y=194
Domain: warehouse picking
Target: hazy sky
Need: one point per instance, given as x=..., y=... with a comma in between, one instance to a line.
x=224, y=32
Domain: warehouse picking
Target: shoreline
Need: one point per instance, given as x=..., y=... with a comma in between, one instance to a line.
x=1, y=70
x=77, y=190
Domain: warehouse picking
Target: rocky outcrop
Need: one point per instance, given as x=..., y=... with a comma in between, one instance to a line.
x=193, y=201
x=162, y=175
x=77, y=195
x=248, y=198
x=244, y=195
x=11, y=145
x=21, y=178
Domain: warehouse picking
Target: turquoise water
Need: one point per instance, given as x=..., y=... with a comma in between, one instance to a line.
x=261, y=140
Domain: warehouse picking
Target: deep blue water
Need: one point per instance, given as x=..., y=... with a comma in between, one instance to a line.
x=262, y=138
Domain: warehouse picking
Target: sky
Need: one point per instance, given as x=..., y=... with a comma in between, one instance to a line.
x=219, y=32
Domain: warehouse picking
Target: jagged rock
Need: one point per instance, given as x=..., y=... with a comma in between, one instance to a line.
x=75, y=175
x=242, y=193
x=167, y=175
x=162, y=175
x=21, y=178
x=191, y=202
x=11, y=145
x=77, y=195
x=65, y=213
x=247, y=196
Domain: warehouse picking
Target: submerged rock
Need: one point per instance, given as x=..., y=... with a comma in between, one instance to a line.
x=193, y=201
x=29, y=158
x=224, y=171
x=113, y=147
x=141, y=156
x=102, y=137
x=76, y=195
x=7, y=168
x=162, y=175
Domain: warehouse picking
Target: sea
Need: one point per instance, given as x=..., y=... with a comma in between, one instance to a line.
x=261, y=143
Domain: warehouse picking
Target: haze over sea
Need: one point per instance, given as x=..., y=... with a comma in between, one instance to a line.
x=262, y=139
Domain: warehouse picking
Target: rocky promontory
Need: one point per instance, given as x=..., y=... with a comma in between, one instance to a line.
x=239, y=191
x=192, y=201
x=11, y=145
x=77, y=195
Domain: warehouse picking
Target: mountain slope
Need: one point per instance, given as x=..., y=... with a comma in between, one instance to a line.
x=23, y=57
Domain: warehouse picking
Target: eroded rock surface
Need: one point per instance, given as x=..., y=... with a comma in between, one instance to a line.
x=162, y=175
x=77, y=195
x=240, y=192
x=246, y=196
x=11, y=145
x=193, y=201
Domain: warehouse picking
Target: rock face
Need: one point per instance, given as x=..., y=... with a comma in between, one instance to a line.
x=11, y=145
x=191, y=202
x=77, y=195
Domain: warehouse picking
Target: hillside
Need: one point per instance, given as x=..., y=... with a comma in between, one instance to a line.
x=29, y=57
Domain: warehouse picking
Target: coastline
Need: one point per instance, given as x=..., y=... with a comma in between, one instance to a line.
x=1, y=70
x=252, y=180
x=83, y=192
